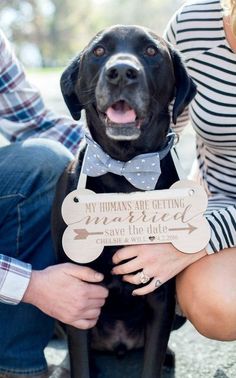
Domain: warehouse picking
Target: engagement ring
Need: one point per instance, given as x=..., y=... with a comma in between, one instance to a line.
x=143, y=278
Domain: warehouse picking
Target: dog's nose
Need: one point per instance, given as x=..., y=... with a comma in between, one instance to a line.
x=122, y=73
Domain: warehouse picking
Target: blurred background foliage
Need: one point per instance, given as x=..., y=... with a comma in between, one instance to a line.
x=47, y=33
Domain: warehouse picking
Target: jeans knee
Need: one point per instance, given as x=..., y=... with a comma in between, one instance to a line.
x=33, y=165
x=47, y=156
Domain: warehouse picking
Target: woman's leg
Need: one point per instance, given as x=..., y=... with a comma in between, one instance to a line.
x=29, y=172
x=206, y=292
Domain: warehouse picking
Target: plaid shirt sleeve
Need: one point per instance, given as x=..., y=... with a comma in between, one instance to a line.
x=24, y=115
x=22, y=111
x=14, y=279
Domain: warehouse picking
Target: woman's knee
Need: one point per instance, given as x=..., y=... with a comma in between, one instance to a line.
x=207, y=295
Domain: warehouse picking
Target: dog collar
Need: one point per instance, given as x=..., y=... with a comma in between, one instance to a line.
x=142, y=171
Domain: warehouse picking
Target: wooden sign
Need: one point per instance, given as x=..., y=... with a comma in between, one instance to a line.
x=172, y=215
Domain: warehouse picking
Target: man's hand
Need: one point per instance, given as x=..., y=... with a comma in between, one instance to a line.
x=67, y=292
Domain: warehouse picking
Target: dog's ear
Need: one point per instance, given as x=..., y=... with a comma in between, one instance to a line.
x=68, y=82
x=185, y=87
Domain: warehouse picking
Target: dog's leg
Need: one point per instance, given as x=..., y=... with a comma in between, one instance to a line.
x=78, y=351
x=162, y=309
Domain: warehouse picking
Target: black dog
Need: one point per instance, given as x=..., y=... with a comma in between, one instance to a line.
x=125, y=80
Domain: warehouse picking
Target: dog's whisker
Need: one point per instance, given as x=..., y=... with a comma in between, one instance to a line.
x=89, y=90
x=89, y=102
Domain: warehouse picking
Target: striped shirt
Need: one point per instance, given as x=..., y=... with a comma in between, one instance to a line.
x=197, y=31
x=23, y=115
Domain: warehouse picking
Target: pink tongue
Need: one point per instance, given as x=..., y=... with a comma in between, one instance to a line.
x=122, y=114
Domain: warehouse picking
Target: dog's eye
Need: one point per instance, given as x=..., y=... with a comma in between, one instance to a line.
x=99, y=51
x=151, y=50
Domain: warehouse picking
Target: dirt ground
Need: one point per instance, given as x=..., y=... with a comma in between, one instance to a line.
x=196, y=356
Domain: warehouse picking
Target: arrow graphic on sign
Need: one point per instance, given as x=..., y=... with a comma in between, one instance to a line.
x=190, y=228
x=82, y=233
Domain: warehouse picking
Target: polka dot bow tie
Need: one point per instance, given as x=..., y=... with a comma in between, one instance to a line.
x=142, y=171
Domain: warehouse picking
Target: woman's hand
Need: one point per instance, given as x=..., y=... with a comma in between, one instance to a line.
x=159, y=262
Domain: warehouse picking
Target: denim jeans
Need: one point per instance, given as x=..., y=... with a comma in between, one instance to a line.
x=28, y=175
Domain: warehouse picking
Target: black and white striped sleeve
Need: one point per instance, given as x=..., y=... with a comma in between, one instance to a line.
x=221, y=215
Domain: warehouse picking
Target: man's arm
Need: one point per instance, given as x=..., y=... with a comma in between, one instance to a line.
x=22, y=111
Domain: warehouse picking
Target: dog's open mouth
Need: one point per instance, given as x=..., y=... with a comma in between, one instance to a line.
x=121, y=113
x=121, y=121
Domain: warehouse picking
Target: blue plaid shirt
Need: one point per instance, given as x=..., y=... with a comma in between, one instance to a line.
x=23, y=115
x=22, y=111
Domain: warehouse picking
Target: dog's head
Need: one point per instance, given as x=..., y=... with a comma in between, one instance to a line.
x=125, y=80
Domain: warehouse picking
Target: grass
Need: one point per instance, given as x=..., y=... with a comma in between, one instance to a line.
x=44, y=71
